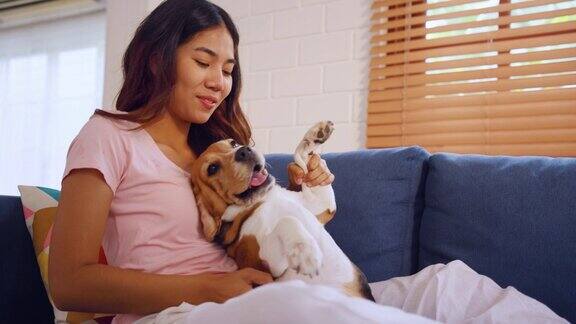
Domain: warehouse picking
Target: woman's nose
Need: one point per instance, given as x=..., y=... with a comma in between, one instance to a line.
x=215, y=80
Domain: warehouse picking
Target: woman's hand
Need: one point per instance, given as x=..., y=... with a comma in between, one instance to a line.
x=229, y=285
x=318, y=174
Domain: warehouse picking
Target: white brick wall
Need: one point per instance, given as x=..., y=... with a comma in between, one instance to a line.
x=299, y=22
x=302, y=61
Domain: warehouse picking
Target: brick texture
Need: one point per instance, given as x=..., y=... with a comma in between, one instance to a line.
x=303, y=61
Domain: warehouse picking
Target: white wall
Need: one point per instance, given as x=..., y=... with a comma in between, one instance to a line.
x=302, y=61
x=123, y=17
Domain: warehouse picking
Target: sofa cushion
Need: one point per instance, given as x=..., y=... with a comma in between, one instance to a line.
x=379, y=201
x=510, y=218
x=22, y=295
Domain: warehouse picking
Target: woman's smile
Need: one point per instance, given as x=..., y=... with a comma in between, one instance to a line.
x=208, y=102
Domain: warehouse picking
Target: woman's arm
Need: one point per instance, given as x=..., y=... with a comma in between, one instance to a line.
x=77, y=282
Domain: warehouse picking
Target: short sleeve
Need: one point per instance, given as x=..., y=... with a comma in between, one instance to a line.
x=100, y=146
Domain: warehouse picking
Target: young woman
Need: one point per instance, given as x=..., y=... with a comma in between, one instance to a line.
x=126, y=185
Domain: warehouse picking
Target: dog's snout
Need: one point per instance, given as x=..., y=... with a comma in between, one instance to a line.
x=244, y=154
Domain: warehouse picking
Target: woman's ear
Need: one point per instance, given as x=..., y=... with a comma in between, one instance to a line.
x=210, y=225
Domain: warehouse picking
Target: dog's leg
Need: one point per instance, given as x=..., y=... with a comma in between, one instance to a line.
x=319, y=200
x=290, y=246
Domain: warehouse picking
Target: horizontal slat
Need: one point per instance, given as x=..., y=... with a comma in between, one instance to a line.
x=531, y=123
x=463, y=88
x=433, y=139
x=474, y=100
x=506, y=20
x=502, y=34
x=498, y=72
x=384, y=141
x=533, y=136
x=418, y=20
x=385, y=130
x=497, y=46
x=530, y=109
x=496, y=137
x=387, y=118
x=475, y=125
x=501, y=59
x=543, y=149
x=411, y=9
x=377, y=4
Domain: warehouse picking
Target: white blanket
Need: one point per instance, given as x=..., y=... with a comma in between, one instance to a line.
x=451, y=293
x=454, y=293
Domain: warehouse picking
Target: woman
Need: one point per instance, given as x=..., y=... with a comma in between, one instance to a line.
x=126, y=185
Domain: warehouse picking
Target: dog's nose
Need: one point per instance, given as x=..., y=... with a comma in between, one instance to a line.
x=244, y=154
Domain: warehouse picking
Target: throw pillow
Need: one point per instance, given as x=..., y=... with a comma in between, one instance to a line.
x=40, y=205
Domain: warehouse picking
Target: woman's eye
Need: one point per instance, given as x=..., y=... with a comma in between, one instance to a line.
x=202, y=64
x=205, y=65
x=213, y=168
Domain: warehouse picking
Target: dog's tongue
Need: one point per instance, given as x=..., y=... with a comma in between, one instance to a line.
x=258, y=178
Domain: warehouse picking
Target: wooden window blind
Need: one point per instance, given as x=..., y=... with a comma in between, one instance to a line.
x=492, y=77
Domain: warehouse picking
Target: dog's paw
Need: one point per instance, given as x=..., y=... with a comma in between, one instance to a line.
x=305, y=258
x=320, y=132
x=314, y=137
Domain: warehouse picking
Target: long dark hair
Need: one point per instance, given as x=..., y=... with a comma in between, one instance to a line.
x=144, y=93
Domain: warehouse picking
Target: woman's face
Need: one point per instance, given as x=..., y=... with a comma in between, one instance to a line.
x=204, y=67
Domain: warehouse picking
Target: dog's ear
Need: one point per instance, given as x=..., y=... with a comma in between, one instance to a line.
x=210, y=225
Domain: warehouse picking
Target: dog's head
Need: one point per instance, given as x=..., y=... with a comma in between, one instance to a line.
x=225, y=174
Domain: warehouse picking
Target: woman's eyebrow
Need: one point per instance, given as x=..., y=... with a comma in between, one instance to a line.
x=212, y=53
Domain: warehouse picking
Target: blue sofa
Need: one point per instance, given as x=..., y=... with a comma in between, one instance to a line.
x=400, y=210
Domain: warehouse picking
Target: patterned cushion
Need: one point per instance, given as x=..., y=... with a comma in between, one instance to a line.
x=40, y=205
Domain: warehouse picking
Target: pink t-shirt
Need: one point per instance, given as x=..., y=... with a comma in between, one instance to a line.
x=153, y=224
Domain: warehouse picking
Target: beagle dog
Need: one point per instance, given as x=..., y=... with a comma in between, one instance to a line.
x=267, y=227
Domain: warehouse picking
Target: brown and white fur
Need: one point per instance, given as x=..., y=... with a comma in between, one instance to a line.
x=267, y=227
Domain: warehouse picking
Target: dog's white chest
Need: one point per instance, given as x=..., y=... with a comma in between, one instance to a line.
x=293, y=242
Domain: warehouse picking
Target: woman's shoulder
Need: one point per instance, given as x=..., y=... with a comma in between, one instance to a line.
x=106, y=124
x=100, y=128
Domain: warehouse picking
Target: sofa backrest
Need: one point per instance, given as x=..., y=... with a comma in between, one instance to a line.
x=379, y=203
x=22, y=295
x=512, y=219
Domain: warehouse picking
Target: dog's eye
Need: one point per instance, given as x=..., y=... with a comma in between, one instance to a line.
x=213, y=168
x=234, y=144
